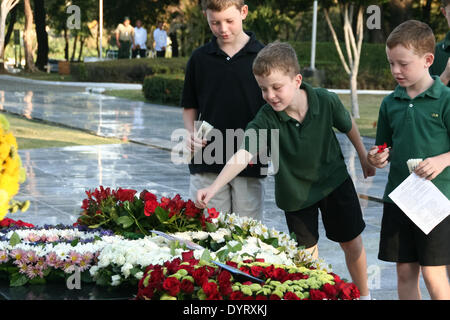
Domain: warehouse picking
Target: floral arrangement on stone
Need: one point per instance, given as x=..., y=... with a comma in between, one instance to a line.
x=36, y=255
x=134, y=216
x=191, y=279
x=12, y=174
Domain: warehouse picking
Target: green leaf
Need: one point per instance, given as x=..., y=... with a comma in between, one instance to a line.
x=162, y=214
x=74, y=242
x=15, y=239
x=37, y=280
x=206, y=256
x=210, y=227
x=17, y=280
x=125, y=221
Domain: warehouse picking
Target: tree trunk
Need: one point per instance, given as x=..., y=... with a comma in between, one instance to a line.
x=12, y=22
x=74, y=48
x=28, y=38
x=41, y=34
x=354, y=95
x=400, y=10
x=6, y=6
x=80, y=53
x=66, y=46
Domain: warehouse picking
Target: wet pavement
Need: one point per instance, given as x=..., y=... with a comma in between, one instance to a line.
x=57, y=178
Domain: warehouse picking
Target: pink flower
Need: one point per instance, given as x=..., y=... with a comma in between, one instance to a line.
x=17, y=254
x=33, y=272
x=30, y=256
x=52, y=259
x=74, y=257
x=3, y=257
x=32, y=237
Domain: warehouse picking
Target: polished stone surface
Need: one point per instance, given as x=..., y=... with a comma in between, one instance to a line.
x=57, y=178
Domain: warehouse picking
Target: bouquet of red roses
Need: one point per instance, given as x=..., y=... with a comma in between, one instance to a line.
x=133, y=216
x=190, y=279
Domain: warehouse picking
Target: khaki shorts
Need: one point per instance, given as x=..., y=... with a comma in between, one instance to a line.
x=242, y=195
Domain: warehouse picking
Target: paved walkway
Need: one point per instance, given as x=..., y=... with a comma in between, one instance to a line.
x=58, y=177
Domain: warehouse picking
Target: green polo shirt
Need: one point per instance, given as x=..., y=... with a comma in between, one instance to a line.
x=441, y=55
x=415, y=128
x=310, y=161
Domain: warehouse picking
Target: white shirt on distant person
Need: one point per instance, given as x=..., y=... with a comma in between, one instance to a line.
x=160, y=37
x=140, y=37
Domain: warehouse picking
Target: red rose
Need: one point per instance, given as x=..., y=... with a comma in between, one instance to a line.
x=317, y=295
x=236, y=295
x=148, y=196
x=260, y=297
x=290, y=296
x=172, y=266
x=225, y=289
x=274, y=297
x=172, y=285
x=191, y=210
x=213, y=214
x=269, y=271
x=85, y=204
x=187, y=286
x=150, y=207
x=231, y=264
x=124, y=194
x=280, y=274
x=256, y=270
x=209, y=288
x=187, y=256
x=224, y=277
x=200, y=275
x=329, y=290
x=381, y=148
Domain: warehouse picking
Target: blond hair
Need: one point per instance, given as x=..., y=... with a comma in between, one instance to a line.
x=413, y=34
x=276, y=56
x=220, y=5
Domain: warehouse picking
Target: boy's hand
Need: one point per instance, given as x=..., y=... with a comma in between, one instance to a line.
x=378, y=159
x=203, y=197
x=430, y=168
x=194, y=144
x=367, y=168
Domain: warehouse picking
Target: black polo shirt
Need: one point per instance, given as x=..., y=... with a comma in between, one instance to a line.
x=226, y=94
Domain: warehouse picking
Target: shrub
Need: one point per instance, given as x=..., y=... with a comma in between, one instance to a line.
x=127, y=70
x=165, y=89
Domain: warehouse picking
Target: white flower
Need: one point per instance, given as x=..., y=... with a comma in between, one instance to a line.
x=139, y=275
x=126, y=269
x=115, y=280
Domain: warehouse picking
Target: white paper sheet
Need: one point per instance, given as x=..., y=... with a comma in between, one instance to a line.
x=422, y=202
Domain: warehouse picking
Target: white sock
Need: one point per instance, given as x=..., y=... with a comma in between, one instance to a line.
x=368, y=297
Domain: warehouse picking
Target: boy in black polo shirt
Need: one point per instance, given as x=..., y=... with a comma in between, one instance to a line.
x=415, y=121
x=311, y=172
x=220, y=89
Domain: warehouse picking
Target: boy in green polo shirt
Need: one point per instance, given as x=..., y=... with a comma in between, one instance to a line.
x=441, y=64
x=414, y=121
x=311, y=172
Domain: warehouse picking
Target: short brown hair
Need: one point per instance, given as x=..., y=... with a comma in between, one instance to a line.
x=413, y=34
x=276, y=56
x=220, y=5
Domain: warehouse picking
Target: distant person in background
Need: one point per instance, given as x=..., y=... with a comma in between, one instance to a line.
x=174, y=41
x=140, y=40
x=124, y=38
x=441, y=64
x=160, y=36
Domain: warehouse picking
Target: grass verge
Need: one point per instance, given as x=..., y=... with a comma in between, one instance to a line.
x=32, y=134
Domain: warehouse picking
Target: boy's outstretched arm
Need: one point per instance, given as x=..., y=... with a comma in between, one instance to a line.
x=431, y=167
x=234, y=166
x=355, y=138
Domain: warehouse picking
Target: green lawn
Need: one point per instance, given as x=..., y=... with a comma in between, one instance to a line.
x=31, y=134
x=44, y=76
x=369, y=106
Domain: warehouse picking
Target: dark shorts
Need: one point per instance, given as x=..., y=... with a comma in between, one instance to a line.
x=341, y=216
x=402, y=241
